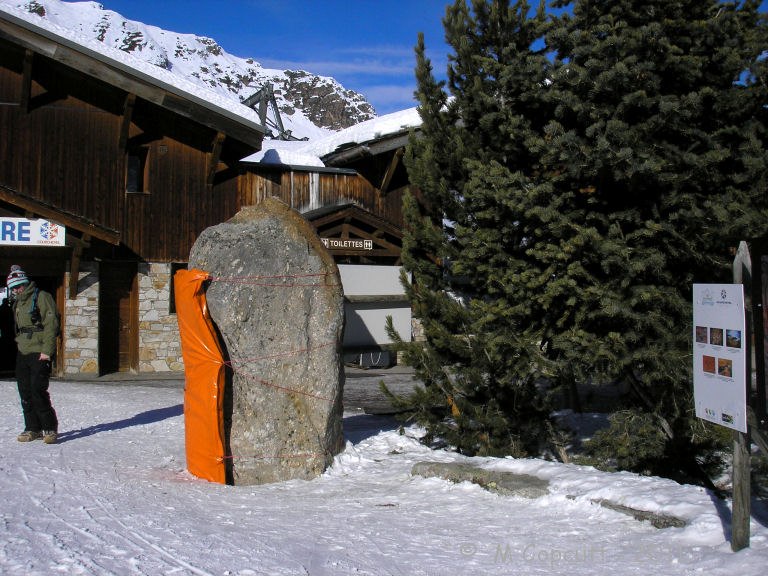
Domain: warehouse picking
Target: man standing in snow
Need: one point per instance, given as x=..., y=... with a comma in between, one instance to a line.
x=37, y=325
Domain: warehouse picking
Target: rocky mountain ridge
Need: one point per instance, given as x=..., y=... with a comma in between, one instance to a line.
x=310, y=105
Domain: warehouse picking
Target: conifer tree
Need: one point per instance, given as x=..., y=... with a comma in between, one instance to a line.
x=479, y=364
x=659, y=144
x=576, y=175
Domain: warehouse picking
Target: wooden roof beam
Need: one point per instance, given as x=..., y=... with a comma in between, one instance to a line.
x=26, y=80
x=132, y=80
x=391, y=170
x=125, y=121
x=359, y=214
x=344, y=230
x=35, y=208
x=74, y=265
x=214, y=157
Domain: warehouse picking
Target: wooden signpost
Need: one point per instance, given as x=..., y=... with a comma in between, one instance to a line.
x=740, y=534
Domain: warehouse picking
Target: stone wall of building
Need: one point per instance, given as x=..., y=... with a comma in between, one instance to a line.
x=159, y=342
x=81, y=323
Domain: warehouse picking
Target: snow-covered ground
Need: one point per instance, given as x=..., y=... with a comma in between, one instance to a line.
x=114, y=497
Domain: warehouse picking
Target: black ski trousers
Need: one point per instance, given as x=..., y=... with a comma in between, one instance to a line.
x=32, y=375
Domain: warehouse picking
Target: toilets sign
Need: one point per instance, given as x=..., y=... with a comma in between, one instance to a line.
x=347, y=244
x=27, y=232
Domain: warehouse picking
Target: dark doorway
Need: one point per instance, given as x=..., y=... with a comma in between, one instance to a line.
x=7, y=340
x=54, y=286
x=118, y=317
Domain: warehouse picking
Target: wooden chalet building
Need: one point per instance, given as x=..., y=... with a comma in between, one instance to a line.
x=357, y=195
x=135, y=164
x=134, y=167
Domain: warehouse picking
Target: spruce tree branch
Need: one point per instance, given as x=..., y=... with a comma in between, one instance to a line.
x=637, y=388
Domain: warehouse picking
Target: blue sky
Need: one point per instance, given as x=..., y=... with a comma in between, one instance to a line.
x=367, y=45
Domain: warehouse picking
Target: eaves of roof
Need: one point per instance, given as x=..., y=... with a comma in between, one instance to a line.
x=144, y=85
x=350, y=152
x=299, y=168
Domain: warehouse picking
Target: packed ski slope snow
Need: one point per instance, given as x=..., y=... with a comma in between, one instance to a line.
x=114, y=497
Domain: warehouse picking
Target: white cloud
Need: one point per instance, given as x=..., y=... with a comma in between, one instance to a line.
x=339, y=68
x=390, y=97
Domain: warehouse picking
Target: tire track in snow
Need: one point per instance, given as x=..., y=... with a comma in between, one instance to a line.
x=77, y=557
x=138, y=540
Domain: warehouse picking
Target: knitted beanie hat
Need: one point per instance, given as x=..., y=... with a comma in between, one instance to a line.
x=17, y=277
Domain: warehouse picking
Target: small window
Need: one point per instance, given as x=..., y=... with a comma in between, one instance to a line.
x=136, y=170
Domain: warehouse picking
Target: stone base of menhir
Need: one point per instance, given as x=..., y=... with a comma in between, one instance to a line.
x=276, y=298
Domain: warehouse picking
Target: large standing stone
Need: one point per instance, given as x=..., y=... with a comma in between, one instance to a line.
x=277, y=300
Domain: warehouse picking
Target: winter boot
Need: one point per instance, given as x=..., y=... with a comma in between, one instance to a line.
x=50, y=436
x=29, y=435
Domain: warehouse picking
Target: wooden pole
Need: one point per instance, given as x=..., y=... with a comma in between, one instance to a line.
x=740, y=516
x=741, y=492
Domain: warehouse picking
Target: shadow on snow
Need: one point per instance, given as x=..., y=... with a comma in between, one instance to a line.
x=148, y=417
x=356, y=427
x=360, y=427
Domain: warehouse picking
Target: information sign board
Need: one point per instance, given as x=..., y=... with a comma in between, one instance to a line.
x=719, y=354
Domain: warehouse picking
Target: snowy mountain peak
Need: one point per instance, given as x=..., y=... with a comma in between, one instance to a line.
x=310, y=106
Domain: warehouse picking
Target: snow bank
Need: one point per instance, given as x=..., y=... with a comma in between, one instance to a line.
x=114, y=497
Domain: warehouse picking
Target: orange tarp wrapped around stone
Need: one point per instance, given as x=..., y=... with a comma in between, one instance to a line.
x=205, y=379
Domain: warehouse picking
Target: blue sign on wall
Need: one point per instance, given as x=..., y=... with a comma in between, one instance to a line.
x=26, y=232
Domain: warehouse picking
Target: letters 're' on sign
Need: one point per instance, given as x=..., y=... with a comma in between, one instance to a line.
x=719, y=354
x=26, y=232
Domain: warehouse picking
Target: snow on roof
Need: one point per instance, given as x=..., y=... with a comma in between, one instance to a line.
x=285, y=153
x=125, y=61
x=367, y=131
x=310, y=153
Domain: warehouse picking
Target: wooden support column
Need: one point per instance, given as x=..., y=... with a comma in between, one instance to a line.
x=26, y=80
x=125, y=121
x=74, y=268
x=213, y=159
x=391, y=170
